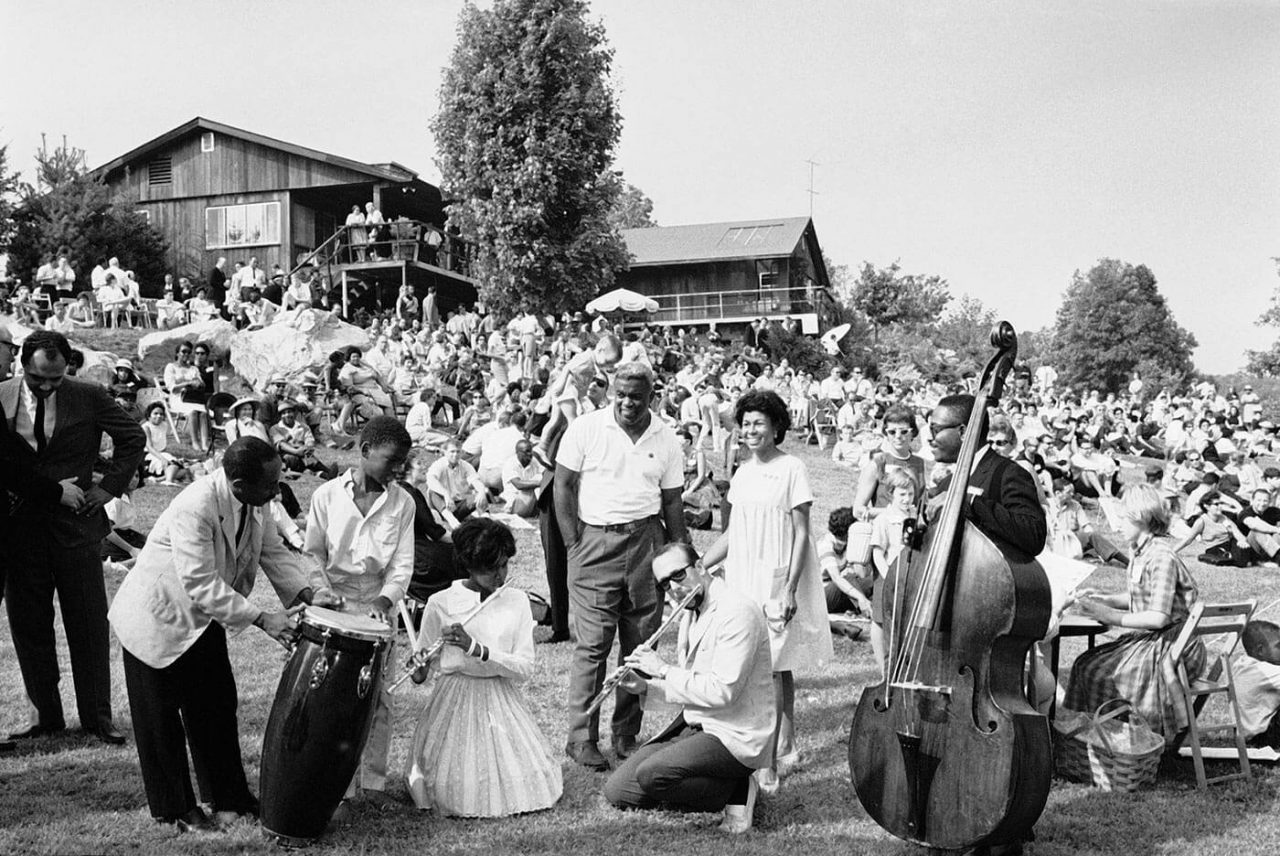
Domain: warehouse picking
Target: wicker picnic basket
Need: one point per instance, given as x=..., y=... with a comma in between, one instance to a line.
x=1101, y=749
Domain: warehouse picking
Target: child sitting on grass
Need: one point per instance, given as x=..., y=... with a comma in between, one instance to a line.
x=158, y=461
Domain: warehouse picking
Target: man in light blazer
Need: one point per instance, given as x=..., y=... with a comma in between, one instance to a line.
x=57, y=423
x=703, y=760
x=187, y=590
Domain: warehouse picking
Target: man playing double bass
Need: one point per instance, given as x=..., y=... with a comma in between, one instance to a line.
x=1003, y=502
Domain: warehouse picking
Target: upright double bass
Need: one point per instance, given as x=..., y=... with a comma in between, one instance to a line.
x=947, y=752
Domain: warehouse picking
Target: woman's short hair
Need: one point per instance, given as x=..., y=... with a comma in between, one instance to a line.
x=185, y=343
x=1143, y=504
x=481, y=543
x=769, y=403
x=1209, y=499
x=901, y=415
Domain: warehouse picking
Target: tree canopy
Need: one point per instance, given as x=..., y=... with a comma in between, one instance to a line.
x=632, y=209
x=1113, y=321
x=887, y=297
x=69, y=212
x=1267, y=363
x=526, y=133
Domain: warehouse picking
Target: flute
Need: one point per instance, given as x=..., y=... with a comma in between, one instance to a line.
x=620, y=674
x=423, y=656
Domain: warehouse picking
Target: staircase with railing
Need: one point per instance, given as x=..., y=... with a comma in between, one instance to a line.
x=369, y=248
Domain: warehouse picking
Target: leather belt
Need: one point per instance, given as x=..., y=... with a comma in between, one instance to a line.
x=630, y=526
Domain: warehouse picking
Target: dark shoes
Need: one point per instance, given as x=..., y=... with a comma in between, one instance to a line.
x=587, y=754
x=108, y=734
x=193, y=821
x=624, y=747
x=37, y=731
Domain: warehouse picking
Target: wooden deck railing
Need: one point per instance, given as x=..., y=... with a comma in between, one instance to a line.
x=398, y=240
x=750, y=303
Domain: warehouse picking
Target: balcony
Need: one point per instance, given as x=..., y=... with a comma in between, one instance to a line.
x=811, y=305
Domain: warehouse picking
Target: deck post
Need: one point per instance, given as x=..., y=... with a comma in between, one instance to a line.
x=346, y=307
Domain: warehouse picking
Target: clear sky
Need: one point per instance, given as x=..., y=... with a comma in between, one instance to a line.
x=1002, y=145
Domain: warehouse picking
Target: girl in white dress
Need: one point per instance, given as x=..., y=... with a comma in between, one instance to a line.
x=477, y=751
x=768, y=555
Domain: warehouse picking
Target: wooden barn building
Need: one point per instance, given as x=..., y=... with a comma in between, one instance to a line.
x=217, y=191
x=731, y=273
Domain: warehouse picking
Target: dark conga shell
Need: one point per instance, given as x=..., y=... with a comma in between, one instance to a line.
x=316, y=732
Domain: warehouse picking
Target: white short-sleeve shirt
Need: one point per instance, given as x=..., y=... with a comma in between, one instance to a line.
x=620, y=481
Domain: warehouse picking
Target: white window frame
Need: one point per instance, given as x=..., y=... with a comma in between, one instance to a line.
x=207, y=141
x=229, y=227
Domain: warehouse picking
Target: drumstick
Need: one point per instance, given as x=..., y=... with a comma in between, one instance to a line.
x=408, y=626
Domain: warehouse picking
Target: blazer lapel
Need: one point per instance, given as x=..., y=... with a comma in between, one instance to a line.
x=9, y=402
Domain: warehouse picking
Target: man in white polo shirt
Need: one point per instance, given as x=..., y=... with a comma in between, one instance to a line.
x=619, y=474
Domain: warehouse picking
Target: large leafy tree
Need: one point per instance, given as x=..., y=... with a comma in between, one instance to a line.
x=1114, y=321
x=526, y=132
x=9, y=184
x=888, y=297
x=632, y=209
x=70, y=212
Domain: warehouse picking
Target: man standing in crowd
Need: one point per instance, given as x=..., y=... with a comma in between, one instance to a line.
x=19, y=481
x=59, y=425
x=217, y=291
x=619, y=474
x=191, y=584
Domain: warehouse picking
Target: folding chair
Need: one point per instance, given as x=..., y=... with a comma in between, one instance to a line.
x=1225, y=620
x=824, y=423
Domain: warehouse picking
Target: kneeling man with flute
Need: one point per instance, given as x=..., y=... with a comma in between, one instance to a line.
x=704, y=759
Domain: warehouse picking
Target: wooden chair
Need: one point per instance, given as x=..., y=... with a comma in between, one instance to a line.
x=1227, y=621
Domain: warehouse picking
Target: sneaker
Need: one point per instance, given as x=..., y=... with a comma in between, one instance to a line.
x=738, y=818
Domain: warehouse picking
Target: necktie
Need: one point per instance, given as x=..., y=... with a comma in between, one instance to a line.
x=244, y=522
x=38, y=427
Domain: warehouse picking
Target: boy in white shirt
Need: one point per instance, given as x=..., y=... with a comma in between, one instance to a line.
x=360, y=531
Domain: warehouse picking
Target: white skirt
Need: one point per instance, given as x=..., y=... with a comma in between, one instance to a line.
x=477, y=752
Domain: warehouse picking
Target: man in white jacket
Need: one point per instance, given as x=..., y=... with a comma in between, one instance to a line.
x=723, y=678
x=189, y=588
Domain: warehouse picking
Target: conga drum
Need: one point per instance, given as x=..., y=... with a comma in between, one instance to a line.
x=319, y=721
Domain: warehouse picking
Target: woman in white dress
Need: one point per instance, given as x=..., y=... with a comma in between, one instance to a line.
x=182, y=379
x=477, y=751
x=768, y=555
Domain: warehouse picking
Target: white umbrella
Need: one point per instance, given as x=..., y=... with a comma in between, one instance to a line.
x=624, y=299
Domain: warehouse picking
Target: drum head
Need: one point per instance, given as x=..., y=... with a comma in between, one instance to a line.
x=346, y=623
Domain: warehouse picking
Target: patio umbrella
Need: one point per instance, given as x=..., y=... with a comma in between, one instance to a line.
x=830, y=340
x=623, y=299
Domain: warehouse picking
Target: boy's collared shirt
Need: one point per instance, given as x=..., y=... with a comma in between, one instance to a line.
x=362, y=556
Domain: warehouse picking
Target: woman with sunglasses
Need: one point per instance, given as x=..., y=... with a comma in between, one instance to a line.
x=872, y=493
x=184, y=382
x=1224, y=542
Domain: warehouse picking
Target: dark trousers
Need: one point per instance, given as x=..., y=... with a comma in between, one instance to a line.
x=192, y=701
x=37, y=569
x=690, y=771
x=557, y=563
x=611, y=592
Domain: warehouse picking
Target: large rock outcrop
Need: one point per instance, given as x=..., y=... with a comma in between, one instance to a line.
x=215, y=333
x=295, y=341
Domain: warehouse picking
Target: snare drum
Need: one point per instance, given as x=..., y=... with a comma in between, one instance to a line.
x=319, y=721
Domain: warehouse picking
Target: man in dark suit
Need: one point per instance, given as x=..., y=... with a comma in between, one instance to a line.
x=19, y=482
x=57, y=425
x=217, y=290
x=1003, y=502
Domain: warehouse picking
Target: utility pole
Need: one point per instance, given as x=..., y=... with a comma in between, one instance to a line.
x=812, y=193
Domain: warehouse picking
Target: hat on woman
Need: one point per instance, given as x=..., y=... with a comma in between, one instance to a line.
x=248, y=399
x=124, y=364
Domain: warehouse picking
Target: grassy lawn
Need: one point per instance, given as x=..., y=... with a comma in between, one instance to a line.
x=76, y=796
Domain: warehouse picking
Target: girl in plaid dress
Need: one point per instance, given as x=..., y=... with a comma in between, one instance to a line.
x=1161, y=592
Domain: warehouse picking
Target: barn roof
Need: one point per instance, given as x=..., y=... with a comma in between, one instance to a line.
x=385, y=171
x=704, y=242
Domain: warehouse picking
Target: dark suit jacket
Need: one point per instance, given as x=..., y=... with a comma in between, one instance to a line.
x=85, y=411
x=1003, y=503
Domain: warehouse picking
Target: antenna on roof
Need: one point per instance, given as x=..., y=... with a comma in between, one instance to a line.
x=812, y=193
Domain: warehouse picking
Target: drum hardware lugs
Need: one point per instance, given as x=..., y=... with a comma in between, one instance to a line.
x=320, y=670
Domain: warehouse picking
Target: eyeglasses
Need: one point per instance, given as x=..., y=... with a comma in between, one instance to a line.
x=677, y=577
x=938, y=429
x=1001, y=442
x=184, y=350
